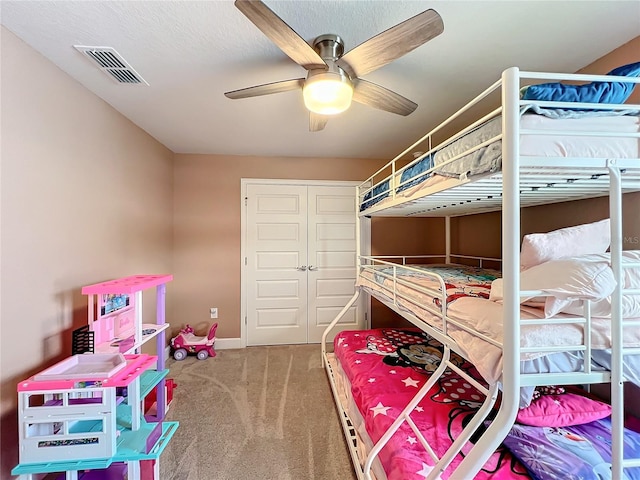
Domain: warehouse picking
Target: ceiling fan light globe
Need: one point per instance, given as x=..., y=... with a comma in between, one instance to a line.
x=327, y=94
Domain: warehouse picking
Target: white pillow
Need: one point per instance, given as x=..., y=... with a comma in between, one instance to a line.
x=566, y=280
x=602, y=308
x=497, y=295
x=538, y=248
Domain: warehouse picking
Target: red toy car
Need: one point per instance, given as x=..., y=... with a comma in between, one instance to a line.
x=186, y=342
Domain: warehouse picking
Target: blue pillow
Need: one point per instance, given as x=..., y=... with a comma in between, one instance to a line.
x=596, y=92
x=374, y=196
x=423, y=165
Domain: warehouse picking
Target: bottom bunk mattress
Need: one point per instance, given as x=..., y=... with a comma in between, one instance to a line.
x=378, y=372
x=384, y=369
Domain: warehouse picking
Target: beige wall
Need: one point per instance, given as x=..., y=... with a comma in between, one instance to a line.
x=206, y=239
x=206, y=242
x=85, y=197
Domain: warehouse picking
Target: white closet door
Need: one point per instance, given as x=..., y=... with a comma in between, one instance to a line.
x=276, y=286
x=332, y=259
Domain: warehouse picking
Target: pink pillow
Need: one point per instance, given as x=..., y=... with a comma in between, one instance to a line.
x=538, y=248
x=562, y=411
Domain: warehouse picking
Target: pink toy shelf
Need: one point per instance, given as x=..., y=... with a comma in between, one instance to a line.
x=115, y=312
x=86, y=412
x=115, y=317
x=132, y=284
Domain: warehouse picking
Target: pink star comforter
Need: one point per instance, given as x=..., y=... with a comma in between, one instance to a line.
x=386, y=368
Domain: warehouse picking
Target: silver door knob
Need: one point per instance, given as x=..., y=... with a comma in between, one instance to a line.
x=303, y=268
x=312, y=268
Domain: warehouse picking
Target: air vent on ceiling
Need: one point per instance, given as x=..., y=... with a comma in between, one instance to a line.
x=112, y=63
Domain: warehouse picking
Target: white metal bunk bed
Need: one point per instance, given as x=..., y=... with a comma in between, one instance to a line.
x=521, y=180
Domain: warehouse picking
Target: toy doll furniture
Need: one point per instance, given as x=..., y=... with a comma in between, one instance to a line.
x=84, y=417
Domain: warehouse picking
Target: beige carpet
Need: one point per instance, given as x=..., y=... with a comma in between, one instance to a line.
x=263, y=413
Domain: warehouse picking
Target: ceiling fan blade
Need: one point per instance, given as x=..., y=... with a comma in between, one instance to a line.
x=281, y=34
x=266, y=89
x=391, y=44
x=317, y=122
x=379, y=97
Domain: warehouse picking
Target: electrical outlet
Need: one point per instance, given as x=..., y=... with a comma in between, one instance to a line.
x=214, y=312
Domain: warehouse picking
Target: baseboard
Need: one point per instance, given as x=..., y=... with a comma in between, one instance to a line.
x=227, y=343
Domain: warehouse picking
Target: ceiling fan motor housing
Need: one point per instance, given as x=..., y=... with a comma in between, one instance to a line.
x=329, y=46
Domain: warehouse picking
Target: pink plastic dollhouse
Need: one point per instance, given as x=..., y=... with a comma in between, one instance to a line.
x=85, y=413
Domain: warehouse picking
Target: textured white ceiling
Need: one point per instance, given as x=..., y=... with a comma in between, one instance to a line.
x=191, y=52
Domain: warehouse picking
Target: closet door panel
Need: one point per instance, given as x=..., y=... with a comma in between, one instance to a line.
x=332, y=258
x=277, y=249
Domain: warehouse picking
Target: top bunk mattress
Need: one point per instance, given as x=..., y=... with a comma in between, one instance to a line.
x=479, y=152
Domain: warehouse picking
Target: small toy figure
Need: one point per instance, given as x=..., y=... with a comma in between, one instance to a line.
x=186, y=342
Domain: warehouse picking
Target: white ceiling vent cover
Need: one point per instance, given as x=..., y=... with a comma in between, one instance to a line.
x=112, y=63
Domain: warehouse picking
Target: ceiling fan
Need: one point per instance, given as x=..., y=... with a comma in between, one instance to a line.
x=334, y=77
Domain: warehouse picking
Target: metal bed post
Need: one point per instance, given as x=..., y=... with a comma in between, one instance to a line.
x=617, y=376
x=447, y=238
x=358, y=230
x=503, y=421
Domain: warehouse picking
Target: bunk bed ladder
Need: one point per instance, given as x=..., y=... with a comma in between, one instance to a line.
x=442, y=463
x=334, y=322
x=405, y=417
x=474, y=426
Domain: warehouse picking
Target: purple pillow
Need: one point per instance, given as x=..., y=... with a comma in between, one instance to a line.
x=562, y=410
x=583, y=451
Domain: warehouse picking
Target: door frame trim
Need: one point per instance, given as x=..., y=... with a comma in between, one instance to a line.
x=365, y=237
